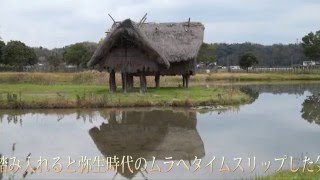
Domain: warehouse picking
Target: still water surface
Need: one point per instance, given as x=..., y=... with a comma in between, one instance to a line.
x=283, y=121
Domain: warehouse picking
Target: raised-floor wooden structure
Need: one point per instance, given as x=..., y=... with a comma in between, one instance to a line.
x=149, y=49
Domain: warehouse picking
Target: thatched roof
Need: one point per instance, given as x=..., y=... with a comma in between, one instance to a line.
x=163, y=42
x=176, y=41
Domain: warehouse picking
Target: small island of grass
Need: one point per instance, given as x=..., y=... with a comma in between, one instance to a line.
x=89, y=90
x=30, y=96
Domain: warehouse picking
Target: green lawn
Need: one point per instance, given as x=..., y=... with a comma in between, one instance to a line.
x=89, y=89
x=293, y=175
x=72, y=96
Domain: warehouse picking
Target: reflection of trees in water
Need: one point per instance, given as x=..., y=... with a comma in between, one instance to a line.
x=311, y=109
x=311, y=106
x=16, y=116
x=6, y=165
x=280, y=88
x=11, y=118
x=85, y=115
x=143, y=133
x=285, y=88
x=254, y=94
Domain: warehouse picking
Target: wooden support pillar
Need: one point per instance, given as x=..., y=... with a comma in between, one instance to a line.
x=187, y=77
x=183, y=80
x=112, y=81
x=132, y=81
x=157, y=80
x=124, y=76
x=143, y=83
x=122, y=83
x=129, y=82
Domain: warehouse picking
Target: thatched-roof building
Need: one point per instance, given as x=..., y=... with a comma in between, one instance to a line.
x=149, y=49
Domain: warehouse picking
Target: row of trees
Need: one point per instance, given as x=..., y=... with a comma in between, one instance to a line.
x=268, y=56
x=77, y=54
x=247, y=54
x=16, y=53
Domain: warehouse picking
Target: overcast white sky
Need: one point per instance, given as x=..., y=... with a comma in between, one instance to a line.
x=56, y=23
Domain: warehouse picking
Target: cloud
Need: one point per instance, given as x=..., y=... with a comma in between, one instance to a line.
x=60, y=22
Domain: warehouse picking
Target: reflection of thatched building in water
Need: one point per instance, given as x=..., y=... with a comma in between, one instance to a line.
x=149, y=133
x=149, y=49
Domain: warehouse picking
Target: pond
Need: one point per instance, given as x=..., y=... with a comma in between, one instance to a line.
x=278, y=130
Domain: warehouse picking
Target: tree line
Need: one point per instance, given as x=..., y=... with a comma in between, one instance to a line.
x=263, y=55
x=267, y=56
x=18, y=54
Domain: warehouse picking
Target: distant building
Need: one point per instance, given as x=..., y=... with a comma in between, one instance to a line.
x=234, y=67
x=201, y=65
x=70, y=66
x=222, y=67
x=309, y=63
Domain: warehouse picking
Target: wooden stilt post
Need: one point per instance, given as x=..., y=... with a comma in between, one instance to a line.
x=183, y=80
x=143, y=83
x=187, y=80
x=132, y=81
x=129, y=81
x=112, y=81
x=157, y=80
x=124, y=82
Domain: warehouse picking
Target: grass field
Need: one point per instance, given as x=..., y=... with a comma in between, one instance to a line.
x=95, y=96
x=100, y=78
x=89, y=89
x=300, y=174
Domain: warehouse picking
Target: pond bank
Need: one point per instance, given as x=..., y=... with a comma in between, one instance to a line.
x=31, y=96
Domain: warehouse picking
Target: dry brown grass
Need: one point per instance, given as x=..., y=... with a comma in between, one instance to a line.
x=101, y=78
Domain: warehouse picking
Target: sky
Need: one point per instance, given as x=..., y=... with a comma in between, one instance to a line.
x=57, y=23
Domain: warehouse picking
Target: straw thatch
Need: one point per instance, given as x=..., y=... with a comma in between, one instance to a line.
x=176, y=41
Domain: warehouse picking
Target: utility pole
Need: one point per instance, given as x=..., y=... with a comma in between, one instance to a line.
x=297, y=47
